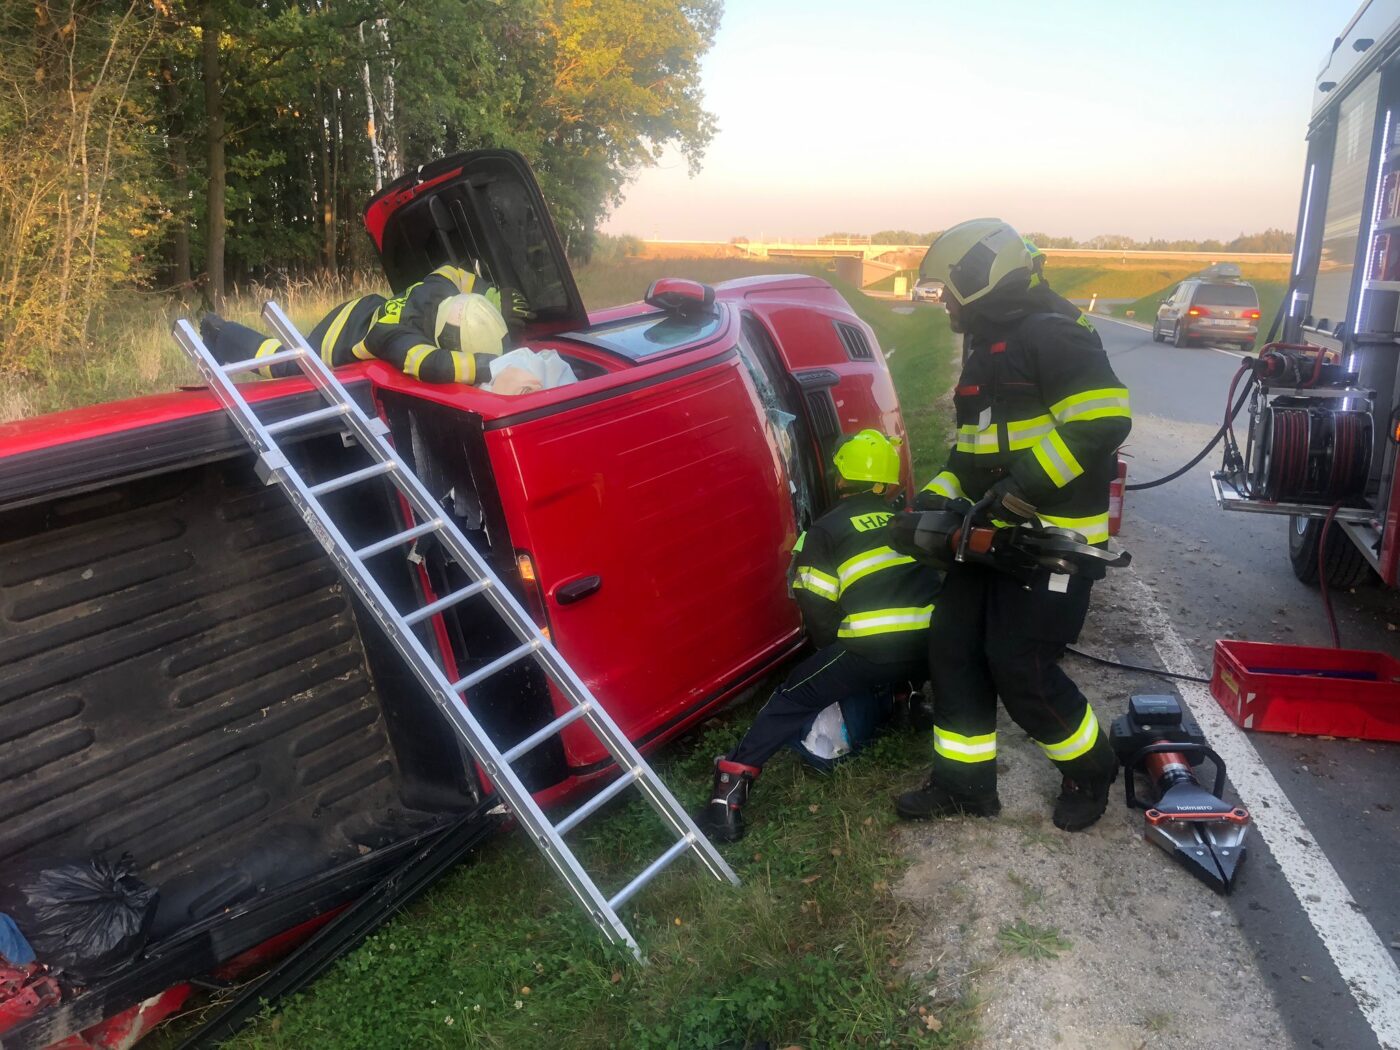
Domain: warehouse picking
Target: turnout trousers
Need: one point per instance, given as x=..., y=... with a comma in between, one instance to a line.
x=828, y=676
x=991, y=637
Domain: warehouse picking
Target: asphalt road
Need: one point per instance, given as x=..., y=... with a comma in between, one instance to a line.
x=1220, y=574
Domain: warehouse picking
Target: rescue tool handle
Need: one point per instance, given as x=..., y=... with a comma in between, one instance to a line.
x=1132, y=764
x=966, y=531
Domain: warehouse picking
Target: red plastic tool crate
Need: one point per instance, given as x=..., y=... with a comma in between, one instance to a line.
x=1301, y=689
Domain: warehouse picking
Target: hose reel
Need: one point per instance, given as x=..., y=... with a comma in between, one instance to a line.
x=1305, y=450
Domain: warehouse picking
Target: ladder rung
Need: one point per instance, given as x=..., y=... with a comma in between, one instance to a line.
x=541, y=735
x=306, y=419
x=346, y=480
x=398, y=539
x=599, y=800
x=433, y=608
x=251, y=363
x=495, y=665
x=652, y=870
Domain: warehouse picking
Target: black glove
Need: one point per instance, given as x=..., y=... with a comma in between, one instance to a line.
x=1009, y=502
x=927, y=499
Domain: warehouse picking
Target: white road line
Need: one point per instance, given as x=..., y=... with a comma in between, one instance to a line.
x=1148, y=328
x=1367, y=968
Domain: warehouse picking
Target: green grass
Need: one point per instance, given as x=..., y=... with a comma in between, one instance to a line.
x=1032, y=942
x=805, y=952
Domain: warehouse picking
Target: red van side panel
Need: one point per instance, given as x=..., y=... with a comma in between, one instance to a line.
x=672, y=495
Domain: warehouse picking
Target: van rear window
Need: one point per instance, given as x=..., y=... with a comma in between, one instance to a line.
x=650, y=334
x=1226, y=295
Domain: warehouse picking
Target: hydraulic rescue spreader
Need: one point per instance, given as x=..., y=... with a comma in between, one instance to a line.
x=1205, y=834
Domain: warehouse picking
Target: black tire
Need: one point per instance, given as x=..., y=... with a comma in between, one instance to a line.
x=1157, y=336
x=1179, y=336
x=1346, y=565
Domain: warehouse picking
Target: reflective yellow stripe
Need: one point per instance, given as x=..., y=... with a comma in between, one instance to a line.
x=819, y=583
x=1056, y=459
x=413, y=360
x=1094, y=528
x=947, y=484
x=361, y=352
x=333, y=332
x=958, y=748
x=973, y=439
x=1093, y=404
x=1077, y=743
x=884, y=621
x=456, y=275
x=463, y=367
x=1023, y=433
x=266, y=347
x=861, y=566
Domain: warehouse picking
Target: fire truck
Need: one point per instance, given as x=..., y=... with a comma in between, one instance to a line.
x=1324, y=408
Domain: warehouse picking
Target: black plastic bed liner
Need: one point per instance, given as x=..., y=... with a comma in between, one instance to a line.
x=185, y=680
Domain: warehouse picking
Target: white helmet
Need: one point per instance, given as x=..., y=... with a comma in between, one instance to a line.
x=469, y=323
x=976, y=256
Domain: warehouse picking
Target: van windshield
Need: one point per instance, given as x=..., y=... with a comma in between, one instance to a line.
x=1226, y=295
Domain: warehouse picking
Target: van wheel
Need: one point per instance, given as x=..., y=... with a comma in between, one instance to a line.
x=1346, y=565
x=1157, y=336
x=1181, y=338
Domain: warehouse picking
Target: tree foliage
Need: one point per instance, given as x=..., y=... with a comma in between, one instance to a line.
x=172, y=142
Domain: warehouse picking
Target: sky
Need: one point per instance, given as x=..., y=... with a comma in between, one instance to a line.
x=1177, y=120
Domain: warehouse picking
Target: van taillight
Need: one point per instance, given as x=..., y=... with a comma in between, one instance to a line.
x=1198, y=311
x=530, y=586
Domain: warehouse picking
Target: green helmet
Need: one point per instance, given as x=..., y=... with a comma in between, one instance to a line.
x=869, y=456
x=975, y=257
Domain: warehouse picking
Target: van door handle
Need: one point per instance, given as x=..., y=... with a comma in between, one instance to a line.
x=577, y=590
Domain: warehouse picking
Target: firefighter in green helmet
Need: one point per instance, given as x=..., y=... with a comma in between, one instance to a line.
x=866, y=609
x=1040, y=416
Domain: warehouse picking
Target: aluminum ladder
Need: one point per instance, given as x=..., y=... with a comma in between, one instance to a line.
x=371, y=434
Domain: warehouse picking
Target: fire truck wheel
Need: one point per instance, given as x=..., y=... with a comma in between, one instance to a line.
x=1346, y=565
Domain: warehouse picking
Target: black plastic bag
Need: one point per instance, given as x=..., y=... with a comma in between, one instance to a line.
x=87, y=918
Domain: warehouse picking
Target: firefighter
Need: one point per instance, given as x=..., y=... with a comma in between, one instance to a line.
x=444, y=329
x=866, y=609
x=1040, y=416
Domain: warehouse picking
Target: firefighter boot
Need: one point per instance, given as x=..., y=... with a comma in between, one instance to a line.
x=723, y=819
x=1081, y=803
x=933, y=800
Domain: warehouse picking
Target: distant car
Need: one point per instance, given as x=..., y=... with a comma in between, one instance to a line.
x=1216, y=309
x=927, y=291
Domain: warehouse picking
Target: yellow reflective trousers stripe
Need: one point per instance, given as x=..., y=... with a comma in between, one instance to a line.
x=333, y=332
x=266, y=348
x=972, y=438
x=1077, y=743
x=959, y=748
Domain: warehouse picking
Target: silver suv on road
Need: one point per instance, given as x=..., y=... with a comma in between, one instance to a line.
x=1209, y=310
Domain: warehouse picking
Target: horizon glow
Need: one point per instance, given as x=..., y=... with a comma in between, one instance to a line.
x=1072, y=120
